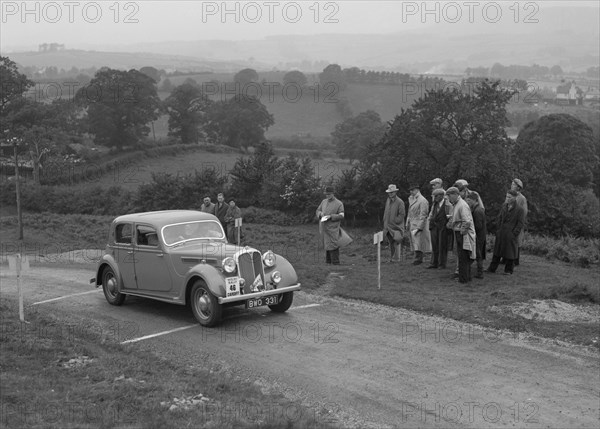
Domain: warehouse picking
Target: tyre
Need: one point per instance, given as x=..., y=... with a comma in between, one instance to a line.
x=285, y=302
x=205, y=306
x=110, y=287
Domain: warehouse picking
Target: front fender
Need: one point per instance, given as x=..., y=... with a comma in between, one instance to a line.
x=288, y=273
x=212, y=276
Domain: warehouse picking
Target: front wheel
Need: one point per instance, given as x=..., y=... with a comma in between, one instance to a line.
x=205, y=306
x=110, y=287
x=285, y=302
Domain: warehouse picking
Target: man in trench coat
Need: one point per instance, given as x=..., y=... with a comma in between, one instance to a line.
x=393, y=222
x=417, y=224
x=510, y=224
x=330, y=213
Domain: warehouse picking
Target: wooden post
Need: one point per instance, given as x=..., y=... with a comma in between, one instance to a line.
x=18, y=191
x=377, y=239
x=238, y=227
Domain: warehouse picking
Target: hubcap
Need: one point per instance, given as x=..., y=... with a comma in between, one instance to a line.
x=204, y=304
x=112, y=285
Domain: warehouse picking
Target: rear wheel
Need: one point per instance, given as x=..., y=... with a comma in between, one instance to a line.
x=285, y=302
x=205, y=306
x=110, y=287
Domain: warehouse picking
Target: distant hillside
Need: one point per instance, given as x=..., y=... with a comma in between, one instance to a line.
x=565, y=36
x=69, y=58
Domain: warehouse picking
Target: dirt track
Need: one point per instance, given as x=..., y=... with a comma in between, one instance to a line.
x=366, y=365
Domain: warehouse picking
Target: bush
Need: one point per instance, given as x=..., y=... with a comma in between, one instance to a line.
x=583, y=252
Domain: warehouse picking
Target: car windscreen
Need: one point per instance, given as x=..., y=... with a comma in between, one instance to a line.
x=199, y=230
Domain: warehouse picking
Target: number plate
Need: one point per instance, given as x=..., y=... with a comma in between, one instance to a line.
x=265, y=300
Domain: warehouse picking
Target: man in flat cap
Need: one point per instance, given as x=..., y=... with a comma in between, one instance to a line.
x=330, y=213
x=393, y=222
x=464, y=234
x=416, y=224
x=438, y=218
x=521, y=201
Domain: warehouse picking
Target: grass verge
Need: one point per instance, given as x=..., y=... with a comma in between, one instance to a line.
x=66, y=378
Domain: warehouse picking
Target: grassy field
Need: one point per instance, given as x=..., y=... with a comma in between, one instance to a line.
x=402, y=285
x=132, y=176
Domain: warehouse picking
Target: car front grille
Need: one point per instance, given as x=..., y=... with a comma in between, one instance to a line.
x=251, y=270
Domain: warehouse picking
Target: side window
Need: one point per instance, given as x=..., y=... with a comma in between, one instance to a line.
x=123, y=233
x=146, y=236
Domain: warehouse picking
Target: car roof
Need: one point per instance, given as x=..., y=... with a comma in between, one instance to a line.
x=165, y=217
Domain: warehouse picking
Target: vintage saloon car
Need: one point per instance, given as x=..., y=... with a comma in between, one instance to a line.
x=182, y=256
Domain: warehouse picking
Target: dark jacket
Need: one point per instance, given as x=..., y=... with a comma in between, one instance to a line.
x=510, y=224
x=480, y=230
x=221, y=212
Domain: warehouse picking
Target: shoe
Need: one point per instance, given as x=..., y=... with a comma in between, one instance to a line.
x=454, y=276
x=432, y=267
x=442, y=267
x=478, y=276
x=507, y=274
x=417, y=262
x=489, y=271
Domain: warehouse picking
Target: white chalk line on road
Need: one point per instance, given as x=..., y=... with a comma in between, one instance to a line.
x=183, y=328
x=135, y=340
x=65, y=297
x=305, y=306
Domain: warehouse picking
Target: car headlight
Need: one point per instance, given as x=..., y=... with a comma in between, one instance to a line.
x=228, y=265
x=269, y=258
x=276, y=277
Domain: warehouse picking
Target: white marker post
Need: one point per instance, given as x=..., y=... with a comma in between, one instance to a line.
x=238, y=226
x=377, y=239
x=19, y=263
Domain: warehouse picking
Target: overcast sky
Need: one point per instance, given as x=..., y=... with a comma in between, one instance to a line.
x=105, y=24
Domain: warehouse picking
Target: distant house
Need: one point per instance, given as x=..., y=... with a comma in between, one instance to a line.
x=592, y=95
x=567, y=93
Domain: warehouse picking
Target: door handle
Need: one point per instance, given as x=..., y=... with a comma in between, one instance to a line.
x=130, y=252
x=160, y=255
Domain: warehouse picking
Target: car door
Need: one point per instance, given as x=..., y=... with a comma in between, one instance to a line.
x=123, y=246
x=151, y=269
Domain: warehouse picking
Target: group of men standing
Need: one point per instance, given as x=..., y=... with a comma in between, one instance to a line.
x=227, y=213
x=455, y=220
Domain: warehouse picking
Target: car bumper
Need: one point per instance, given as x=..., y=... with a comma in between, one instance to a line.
x=246, y=296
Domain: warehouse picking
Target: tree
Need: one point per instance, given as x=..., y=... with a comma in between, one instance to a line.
x=246, y=76
x=333, y=75
x=151, y=72
x=12, y=86
x=187, y=107
x=295, y=76
x=556, y=159
x=556, y=70
x=238, y=122
x=353, y=136
x=119, y=104
x=248, y=175
x=447, y=134
x=45, y=129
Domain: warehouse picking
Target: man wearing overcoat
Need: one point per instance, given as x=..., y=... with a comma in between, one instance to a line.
x=510, y=224
x=464, y=234
x=330, y=214
x=393, y=222
x=438, y=218
x=416, y=224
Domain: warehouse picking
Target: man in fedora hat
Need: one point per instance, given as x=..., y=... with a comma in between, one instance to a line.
x=393, y=222
x=416, y=224
x=330, y=213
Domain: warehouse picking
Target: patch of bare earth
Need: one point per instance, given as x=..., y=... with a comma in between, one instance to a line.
x=550, y=310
